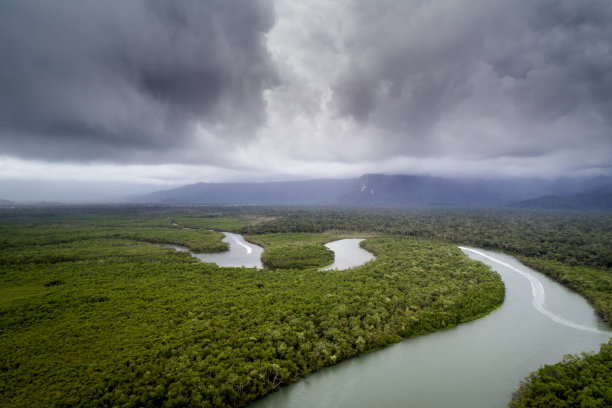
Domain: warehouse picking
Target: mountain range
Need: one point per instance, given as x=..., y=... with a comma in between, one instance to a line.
x=400, y=190
x=593, y=200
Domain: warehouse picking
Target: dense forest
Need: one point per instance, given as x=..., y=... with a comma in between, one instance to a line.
x=575, y=249
x=301, y=250
x=94, y=313
x=577, y=381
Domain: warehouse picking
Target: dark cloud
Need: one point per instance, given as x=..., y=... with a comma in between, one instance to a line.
x=114, y=79
x=266, y=88
x=538, y=73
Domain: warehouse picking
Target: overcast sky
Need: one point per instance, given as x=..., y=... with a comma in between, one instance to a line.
x=151, y=94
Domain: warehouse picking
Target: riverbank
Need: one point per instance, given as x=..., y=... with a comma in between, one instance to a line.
x=476, y=364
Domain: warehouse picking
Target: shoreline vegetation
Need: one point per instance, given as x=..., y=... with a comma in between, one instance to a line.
x=294, y=251
x=577, y=381
x=82, y=296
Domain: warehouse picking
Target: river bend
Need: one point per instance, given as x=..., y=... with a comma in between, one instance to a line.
x=476, y=364
x=348, y=254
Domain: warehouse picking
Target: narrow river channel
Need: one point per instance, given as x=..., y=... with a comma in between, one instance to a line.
x=348, y=254
x=477, y=364
x=241, y=253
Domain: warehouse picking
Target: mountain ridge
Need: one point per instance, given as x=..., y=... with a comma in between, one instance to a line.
x=382, y=190
x=309, y=192
x=591, y=200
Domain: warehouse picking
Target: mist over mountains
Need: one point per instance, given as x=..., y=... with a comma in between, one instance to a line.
x=310, y=192
x=373, y=190
x=594, y=200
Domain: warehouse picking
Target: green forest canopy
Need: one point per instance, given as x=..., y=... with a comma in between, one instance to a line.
x=85, y=295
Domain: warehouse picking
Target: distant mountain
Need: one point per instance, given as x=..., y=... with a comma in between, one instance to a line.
x=6, y=203
x=404, y=190
x=311, y=192
x=594, y=200
x=380, y=190
x=383, y=190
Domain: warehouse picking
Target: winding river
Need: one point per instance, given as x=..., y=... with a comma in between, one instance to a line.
x=476, y=364
x=240, y=253
x=347, y=254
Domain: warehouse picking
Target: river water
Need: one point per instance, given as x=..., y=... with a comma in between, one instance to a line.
x=347, y=254
x=241, y=253
x=477, y=364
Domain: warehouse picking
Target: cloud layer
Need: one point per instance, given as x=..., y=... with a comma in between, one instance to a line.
x=488, y=78
x=130, y=80
x=284, y=89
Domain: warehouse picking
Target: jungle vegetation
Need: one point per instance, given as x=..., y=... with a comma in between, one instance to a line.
x=294, y=251
x=93, y=313
x=573, y=248
x=577, y=381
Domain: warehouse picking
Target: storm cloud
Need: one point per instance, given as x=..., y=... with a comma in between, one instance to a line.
x=278, y=89
x=503, y=78
x=127, y=80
